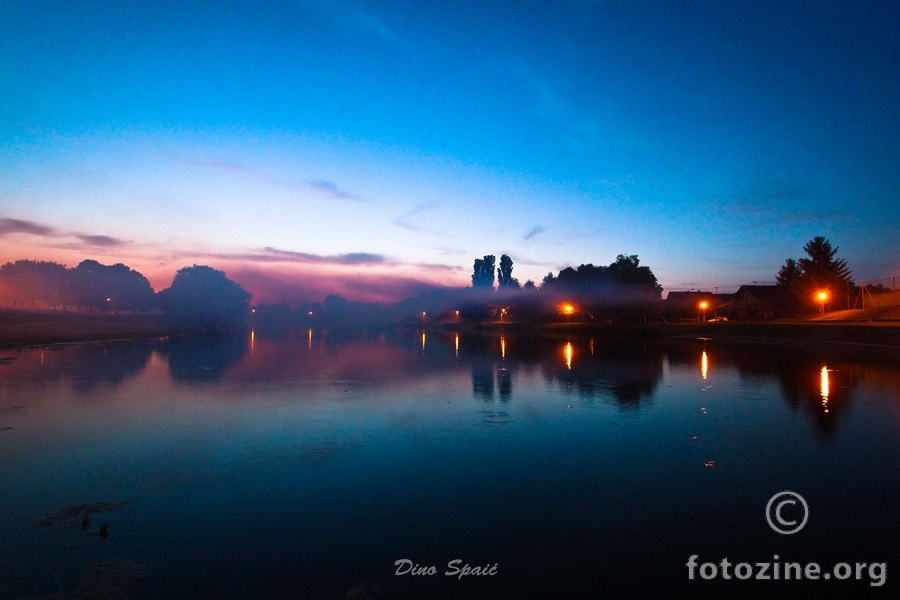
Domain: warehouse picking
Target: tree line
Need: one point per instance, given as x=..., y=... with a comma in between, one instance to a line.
x=623, y=290
x=199, y=294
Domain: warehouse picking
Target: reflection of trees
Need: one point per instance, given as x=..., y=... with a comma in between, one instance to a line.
x=107, y=363
x=504, y=384
x=202, y=358
x=799, y=375
x=801, y=382
x=626, y=371
x=483, y=379
x=621, y=370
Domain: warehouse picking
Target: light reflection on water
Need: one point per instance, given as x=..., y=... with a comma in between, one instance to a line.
x=579, y=465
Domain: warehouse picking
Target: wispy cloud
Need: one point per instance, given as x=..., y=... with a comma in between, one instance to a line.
x=359, y=18
x=11, y=226
x=100, y=240
x=322, y=186
x=332, y=189
x=350, y=258
x=276, y=255
x=534, y=231
x=19, y=226
x=406, y=220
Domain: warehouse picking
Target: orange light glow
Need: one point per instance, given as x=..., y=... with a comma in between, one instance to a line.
x=825, y=386
x=822, y=296
x=502, y=347
x=456, y=343
x=569, y=353
x=252, y=340
x=423, y=341
x=704, y=305
x=568, y=309
x=704, y=365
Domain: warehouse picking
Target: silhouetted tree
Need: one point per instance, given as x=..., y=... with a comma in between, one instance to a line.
x=789, y=274
x=822, y=268
x=505, y=280
x=819, y=271
x=110, y=287
x=622, y=290
x=483, y=272
x=26, y=282
x=205, y=296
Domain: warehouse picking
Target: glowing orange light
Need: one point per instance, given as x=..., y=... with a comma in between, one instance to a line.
x=569, y=355
x=824, y=387
x=704, y=365
x=502, y=347
x=704, y=305
x=309, y=339
x=456, y=343
x=822, y=296
x=252, y=340
x=423, y=342
x=568, y=309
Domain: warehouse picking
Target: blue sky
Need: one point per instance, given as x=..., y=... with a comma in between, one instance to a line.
x=366, y=148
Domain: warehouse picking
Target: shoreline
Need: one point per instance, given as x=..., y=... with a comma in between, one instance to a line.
x=847, y=338
x=23, y=328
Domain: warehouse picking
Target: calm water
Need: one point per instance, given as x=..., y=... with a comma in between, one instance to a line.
x=305, y=466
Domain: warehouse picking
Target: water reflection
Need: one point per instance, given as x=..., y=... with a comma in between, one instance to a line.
x=483, y=380
x=303, y=426
x=83, y=366
x=203, y=358
x=824, y=393
x=501, y=365
x=704, y=365
x=823, y=384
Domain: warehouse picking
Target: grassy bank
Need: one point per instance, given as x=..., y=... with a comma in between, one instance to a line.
x=28, y=328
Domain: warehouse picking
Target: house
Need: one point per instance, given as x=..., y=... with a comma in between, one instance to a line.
x=756, y=303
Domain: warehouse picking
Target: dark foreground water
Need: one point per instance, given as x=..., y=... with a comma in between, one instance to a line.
x=308, y=466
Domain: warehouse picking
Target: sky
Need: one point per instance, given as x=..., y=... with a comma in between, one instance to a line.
x=376, y=148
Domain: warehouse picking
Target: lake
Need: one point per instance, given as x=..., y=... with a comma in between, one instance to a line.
x=316, y=465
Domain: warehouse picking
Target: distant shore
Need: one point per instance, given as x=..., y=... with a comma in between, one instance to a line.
x=21, y=328
x=836, y=337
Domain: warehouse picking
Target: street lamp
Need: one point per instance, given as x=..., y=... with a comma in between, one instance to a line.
x=703, y=306
x=822, y=295
x=568, y=310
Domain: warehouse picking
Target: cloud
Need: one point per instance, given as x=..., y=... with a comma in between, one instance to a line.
x=350, y=258
x=100, y=240
x=333, y=190
x=534, y=231
x=777, y=201
x=9, y=226
x=404, y=220
x=277, y=286
x=362, y=20
x=19, y=226
x=330, y=188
